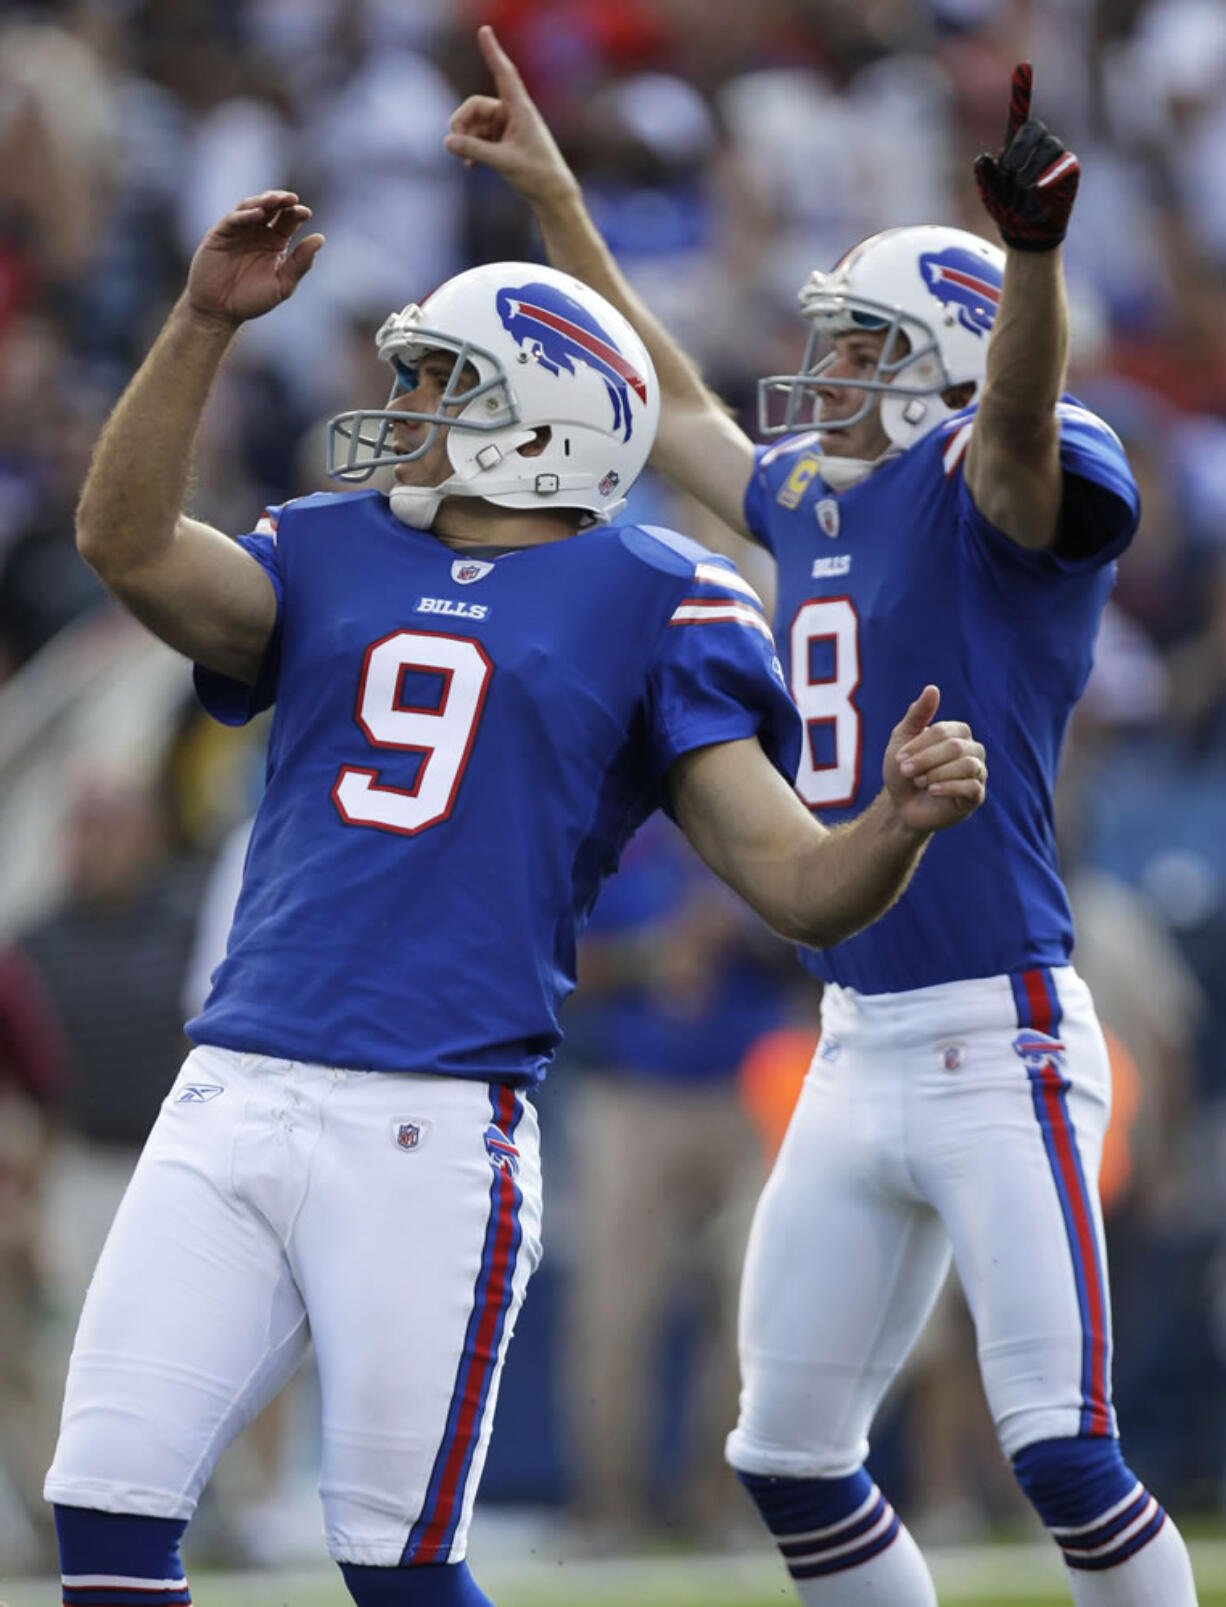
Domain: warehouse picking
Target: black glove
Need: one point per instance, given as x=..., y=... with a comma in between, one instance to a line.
x=1029, y=188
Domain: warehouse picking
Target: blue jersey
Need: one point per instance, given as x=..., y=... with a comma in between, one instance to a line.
x=461, y=747
x=898, y=581
x=702, y=1036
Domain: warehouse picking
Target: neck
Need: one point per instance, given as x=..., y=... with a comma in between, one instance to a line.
x=471, y=522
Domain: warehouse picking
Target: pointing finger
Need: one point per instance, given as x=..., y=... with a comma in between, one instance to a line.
x=507, y=81
x=1019, y=98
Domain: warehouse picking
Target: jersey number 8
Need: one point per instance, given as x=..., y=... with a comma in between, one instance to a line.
x=826, y=700
x=456, y=675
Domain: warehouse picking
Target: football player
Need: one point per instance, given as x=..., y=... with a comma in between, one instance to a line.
x=931, y=497
x=483, y=684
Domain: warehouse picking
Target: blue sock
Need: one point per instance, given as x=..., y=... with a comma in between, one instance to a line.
x=433, y=1584
x=1094, y=1506
x=124, y=1558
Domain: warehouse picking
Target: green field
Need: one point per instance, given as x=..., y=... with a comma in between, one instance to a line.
x=987, y=1576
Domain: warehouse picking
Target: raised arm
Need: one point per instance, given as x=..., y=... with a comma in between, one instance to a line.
x=698, y=444
x=1013, y=461
x=190, y=584
x=813, y=885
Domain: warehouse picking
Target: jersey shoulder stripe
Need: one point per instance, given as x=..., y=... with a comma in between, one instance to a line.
x=719, y=611
x=955, y=447
x=719, y=578
x=269, y=521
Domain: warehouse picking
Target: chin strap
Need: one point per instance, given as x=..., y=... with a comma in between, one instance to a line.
x=840, y=474
x=415, y=505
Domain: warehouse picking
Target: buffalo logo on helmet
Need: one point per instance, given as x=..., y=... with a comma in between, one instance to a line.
x=964, y=283
x=504, y=1157
x=559, y=332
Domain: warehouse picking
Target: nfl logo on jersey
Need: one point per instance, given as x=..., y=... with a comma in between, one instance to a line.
x=465, y=570
x=827, y=512
x=406, y=1134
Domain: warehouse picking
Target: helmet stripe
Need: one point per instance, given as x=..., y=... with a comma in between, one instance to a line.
x=600, y=349
x=968, y=281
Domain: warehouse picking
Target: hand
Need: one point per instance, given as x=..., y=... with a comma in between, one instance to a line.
x=1029, y=188
x=509, y=134
x=244, y=266
x=935, y=774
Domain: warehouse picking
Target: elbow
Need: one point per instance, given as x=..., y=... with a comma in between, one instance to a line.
x=91, y=533
x=90, y=546
x=814, y=929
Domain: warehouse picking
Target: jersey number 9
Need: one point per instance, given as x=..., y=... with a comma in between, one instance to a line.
x=453, y=675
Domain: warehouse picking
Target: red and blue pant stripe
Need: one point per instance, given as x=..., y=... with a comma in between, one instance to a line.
x=432, y=1534
x=1038, y=1007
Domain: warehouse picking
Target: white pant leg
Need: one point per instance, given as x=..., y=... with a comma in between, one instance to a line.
x=413, y=1263
x=844, y=1263
x=1007, y=1146
x=192, y=1321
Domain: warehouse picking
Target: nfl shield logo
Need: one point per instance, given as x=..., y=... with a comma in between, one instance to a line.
x=827, y=511
x=465, y=570
x=406, y=1134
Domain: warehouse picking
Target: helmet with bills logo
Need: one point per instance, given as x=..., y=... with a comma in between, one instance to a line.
x=933, y=292
x=537, y=353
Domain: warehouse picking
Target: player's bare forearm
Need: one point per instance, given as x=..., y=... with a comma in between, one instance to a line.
x=188, y=583
x=812, y=885
x=137, y=482
x=1013, y=463
x=854, y=874
x=698, y=444
x=196, y=589
x=809, y=884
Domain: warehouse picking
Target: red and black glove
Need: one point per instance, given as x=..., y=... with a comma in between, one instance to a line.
x=1029, y=188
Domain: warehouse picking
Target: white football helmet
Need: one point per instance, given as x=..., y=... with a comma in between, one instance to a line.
x=548, y=352
x=938, y=287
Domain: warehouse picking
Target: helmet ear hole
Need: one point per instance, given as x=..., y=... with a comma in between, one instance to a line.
x=959, y=396
x=540, y=440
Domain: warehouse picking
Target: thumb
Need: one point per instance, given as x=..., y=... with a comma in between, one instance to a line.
x=302, y=257
x=921, y=713
x=470, y=149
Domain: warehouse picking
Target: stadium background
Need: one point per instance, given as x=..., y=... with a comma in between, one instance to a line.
x=725, y=150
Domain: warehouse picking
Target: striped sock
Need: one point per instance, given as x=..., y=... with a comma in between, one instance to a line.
x=1155, y=1570
x=1119, y=1546
x=1115, y=1535
x=842, y=1541
x=116, y=1559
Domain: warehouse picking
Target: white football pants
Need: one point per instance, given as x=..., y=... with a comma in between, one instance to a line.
x=967, y=1116
x=394, y=1220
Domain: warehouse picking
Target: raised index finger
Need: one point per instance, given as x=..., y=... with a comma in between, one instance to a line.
x=1019, y=98
x=507, y=81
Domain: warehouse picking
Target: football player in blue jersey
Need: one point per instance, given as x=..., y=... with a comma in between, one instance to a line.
x=933, y=498
x=483, y=685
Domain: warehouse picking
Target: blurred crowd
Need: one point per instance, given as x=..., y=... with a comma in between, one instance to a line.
x=726, y=150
